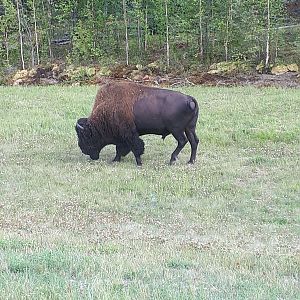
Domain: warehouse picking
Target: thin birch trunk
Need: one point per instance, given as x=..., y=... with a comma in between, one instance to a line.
x=228, y=23
x=105, y=36
x=20, y=35
x=167, y=34
x=268, y=37
x=212, y=33
x=276, y=46
x=200, y=31
x=6, y=46
x=126, y=32
x=139, y=32
x=48, y=19
x=32, y=50
x=27, y=29
x=35, y=33
x=94, y=28
x=146, y=28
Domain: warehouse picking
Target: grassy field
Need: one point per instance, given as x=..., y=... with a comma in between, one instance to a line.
x=226, y=228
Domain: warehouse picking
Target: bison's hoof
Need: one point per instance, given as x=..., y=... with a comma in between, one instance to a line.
x=94, y=157
x=116, y=160
x=191, y=162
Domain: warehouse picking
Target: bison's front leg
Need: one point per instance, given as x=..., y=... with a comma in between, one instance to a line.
x=137, y=147
x=121, y=150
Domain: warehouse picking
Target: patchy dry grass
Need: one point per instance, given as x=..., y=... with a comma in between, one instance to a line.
x=225, y=228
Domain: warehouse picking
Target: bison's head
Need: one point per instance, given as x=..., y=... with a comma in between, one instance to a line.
x=87, y=141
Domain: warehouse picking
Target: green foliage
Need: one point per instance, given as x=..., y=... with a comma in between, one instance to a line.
x=82, y=43
x=230, y=67
x=8, y=28
x=90, y=31
x=76, y=74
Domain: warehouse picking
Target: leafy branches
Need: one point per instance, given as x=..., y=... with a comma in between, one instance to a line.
x=173, y=32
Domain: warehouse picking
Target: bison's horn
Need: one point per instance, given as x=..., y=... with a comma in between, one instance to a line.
x=79, y=126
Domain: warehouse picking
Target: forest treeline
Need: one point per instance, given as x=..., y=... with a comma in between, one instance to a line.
x=174, y=32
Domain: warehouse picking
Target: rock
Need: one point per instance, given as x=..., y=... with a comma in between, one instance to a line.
x=55, y=68
x=137, y=77
x=139, y=67
x=278, y=70
x=32, y=73
x=104, y=71
x=90, y=72
x=293, y=68
x=260, y=67
x=153, y=67
x=229, y=68
x=146, y=78
x=214, y=72
x=18, y=82
x=21, y=74
x=55, y=71
x=62, y=76
x=48, y=81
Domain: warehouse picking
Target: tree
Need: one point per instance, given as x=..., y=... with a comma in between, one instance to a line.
x=167, y=34
x=182, y=33
x=20, y=35
x=35, y=32
x=201, y=50
x=126, y=31
x=268, y=36
x=8, y=26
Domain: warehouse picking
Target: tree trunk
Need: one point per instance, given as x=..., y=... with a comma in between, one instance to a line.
x=228, y=23
x=48, y=32
x=27, y=29
x=200, y=32
x=126, y=32
x=94, y=28
x=146, y=28
x=211, y=34
x=6, y=46
x=20, y=35
x=268, y=37
x=276, y=46
x=36, y=34
x=167, y=33
x=139, y=32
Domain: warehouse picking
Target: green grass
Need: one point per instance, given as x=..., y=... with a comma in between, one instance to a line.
x=224, y=228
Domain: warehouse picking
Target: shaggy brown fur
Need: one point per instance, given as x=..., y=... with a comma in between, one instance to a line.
x=112, y=113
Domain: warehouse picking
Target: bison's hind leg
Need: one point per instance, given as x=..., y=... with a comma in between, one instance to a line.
x=182, y=140
x=194, y=141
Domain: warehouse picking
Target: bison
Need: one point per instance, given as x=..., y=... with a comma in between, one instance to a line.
x=124, y=111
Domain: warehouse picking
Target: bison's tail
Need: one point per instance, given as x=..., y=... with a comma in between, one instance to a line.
x=193, y=105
